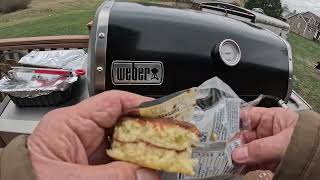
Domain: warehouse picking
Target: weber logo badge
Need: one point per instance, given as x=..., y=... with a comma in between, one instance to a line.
x=137, y=72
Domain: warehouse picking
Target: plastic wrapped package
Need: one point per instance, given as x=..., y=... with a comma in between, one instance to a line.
x=215, y=109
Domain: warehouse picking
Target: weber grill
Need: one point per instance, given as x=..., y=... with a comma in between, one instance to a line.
x=155, y=50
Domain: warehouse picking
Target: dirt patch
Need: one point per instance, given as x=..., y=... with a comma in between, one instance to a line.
x=311, y=65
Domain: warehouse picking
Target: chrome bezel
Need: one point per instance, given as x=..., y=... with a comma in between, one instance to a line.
x=237, y=60
x=98, y=49
x=290, y=79
x=290, y=67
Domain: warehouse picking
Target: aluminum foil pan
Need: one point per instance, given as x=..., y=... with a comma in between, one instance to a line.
x=33, y=85
x=66, y=59
x=30, y=85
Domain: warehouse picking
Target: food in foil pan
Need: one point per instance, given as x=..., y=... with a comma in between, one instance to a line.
x=32, y=85
x=162, y=144
x=41, y=73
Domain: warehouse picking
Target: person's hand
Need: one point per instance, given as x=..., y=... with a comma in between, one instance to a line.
x=70, y=143
x=267, y=138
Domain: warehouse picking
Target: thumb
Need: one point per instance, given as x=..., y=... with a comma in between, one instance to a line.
x=264, y=149
x=125, y=171
x=47, y=169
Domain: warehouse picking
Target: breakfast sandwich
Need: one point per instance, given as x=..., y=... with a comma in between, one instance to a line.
x=160, y=144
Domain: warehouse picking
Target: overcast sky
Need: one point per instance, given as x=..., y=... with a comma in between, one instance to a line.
x=303, y=5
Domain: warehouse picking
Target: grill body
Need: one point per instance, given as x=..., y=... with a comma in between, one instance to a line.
x=181, y=45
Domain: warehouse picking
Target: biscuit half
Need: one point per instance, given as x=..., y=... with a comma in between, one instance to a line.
x=161, y=144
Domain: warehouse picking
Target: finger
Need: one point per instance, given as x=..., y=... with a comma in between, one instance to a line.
x=245, y=118
x=116, y=170
x=122, y=171
x=249, y=136
x=255, y=116
x=263, y=150
x=107, y=107
x=127, y=99
x=251, y=116
x=284, y=118
x=275, y=120
x=125, y=171
x=46, y=169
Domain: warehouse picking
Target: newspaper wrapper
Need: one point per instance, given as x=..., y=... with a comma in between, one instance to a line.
x=30, y=85
x=215, y=109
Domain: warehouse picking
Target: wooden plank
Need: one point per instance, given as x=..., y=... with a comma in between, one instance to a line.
x=45, y=42
x=46, y=39
x=46, y=46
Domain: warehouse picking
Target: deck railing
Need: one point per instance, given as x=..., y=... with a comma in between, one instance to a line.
x=15, y=48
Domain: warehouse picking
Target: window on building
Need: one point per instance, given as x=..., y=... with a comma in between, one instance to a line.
x=298, y=25
x=310, y=29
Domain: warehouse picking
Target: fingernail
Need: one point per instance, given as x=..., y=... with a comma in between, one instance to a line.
x=146, y=174
x=240, y=155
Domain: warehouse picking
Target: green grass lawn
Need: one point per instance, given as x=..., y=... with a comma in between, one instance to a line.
x=73, y=22
x=51, y=17
x=306, y=54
